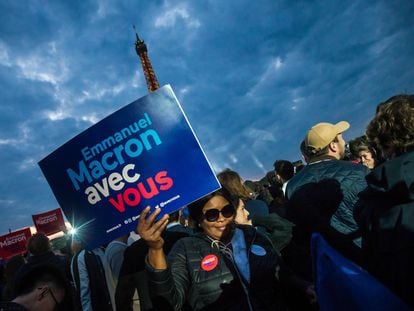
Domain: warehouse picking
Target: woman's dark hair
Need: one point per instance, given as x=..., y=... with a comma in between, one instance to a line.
x=359, y=144
x=393, y=125
x=39, y=244
x=195, y=209
x=233, y=182
x=285, y=169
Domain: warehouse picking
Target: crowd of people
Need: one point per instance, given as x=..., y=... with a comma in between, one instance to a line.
x=247, y=246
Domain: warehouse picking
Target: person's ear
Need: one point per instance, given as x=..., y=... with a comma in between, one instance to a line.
x=278, y=178
x=333, y=146
x=41, y=293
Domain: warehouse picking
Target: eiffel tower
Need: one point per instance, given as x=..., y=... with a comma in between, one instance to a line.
x=149, y=73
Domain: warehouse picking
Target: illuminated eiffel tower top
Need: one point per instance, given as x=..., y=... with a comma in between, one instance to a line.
x=149, y=73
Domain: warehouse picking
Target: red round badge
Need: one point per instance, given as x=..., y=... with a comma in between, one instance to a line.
x=209, y=262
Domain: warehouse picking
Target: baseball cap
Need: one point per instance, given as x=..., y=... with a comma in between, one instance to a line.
x=321, y=134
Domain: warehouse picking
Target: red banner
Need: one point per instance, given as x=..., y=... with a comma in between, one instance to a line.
x=50, y=222
x=14, y=243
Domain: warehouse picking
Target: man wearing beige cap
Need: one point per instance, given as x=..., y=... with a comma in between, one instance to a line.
x=339, y=181
x=326, y=138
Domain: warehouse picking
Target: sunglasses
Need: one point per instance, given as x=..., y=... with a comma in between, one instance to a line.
x=214, y=214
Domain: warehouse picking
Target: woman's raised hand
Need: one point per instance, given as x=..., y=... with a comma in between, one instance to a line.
x=150, y=230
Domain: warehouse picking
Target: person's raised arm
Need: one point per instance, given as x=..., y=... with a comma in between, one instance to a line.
x=150, y=231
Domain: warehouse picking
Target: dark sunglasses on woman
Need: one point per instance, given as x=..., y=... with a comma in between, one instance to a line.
x=214, y=213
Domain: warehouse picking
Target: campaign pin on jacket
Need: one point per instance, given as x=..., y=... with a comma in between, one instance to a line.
x=258, y=250
x=209, y=262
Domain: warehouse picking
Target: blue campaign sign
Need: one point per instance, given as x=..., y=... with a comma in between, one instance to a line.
x=343, y=285
x=144, y=154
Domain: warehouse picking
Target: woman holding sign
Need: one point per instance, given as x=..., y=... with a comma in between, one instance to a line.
x=222, y=267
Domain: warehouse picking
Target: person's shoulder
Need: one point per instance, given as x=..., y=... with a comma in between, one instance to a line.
x=174, y=234
x=351, y=164
x=356, y=168
x=247, y=229
x=189, y=239
x=115, y=247
x=302, y=174
x=180, y=228
x=253, y=236
x=255, y=202
x=301, y=177
x=11, y=306
x=188, y=246
x=257, y=208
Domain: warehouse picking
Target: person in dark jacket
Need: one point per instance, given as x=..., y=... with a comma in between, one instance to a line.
x=284, y=171
x=311, y=208
x=222, y=267
x=325, y=148
x=12, y=266
x=132, y=276
x=40, y=252
x=386, y=208
x=42, y=287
